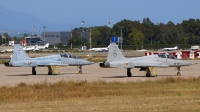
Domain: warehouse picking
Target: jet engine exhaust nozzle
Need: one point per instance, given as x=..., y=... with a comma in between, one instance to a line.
x=7, y=64
x=104, y=65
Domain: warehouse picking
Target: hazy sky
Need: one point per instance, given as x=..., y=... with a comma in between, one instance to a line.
x=98, y=12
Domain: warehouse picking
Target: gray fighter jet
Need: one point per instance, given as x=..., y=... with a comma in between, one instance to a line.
x=21, y=59
x=115, y=59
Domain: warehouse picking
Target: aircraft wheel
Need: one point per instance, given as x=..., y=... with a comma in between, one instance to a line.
x=80, y=72
x=49, y=73
x=178, y=73
x=34, y=73
x=129, y=74
x=148, y=75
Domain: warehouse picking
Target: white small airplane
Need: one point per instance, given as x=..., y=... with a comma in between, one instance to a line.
x=170, y=49
x=32, y=48
x=46, y=46
x=142, y=50
x=7, y=50
x=105, y=49
x=36, y=47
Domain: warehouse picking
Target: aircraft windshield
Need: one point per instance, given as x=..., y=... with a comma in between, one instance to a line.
x=167, y=55
x=69, y=56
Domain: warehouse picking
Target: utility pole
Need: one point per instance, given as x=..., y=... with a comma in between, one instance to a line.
x=90, y=41
x=44, y=35
x=71, y=38
x=82, y=25
x=33, y=30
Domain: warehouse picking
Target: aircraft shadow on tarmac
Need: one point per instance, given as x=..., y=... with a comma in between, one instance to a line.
x=139, y=76
x=43, y=74
x=122, y=76
x=36, y=75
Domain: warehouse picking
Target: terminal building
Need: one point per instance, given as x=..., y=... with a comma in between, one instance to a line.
x=60, y=37
x=53, y=38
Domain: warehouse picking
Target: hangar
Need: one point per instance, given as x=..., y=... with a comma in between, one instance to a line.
x=60, y=36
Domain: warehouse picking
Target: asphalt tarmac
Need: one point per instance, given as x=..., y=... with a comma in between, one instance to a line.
x=12, y=76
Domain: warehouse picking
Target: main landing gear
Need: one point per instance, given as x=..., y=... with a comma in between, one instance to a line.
x=147, y=69
x=50, y=71
x=33, y=71
x=148, y=74
x=179, y=69
x=80, y=69
x=129, y=74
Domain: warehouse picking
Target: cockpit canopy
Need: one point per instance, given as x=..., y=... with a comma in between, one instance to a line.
x=69, y=56
x=169, y=56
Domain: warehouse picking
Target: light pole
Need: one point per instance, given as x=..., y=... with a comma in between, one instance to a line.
x=109, y=22
x=44, y=35
x=71, y=37
x=90, y=41
x=82, y=25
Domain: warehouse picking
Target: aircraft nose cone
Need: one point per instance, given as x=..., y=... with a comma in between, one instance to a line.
x=88, y=62
x=92, y=63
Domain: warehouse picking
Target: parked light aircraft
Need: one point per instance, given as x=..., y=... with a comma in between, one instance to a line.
x=99, y=49
x=36, y=47
x=115, y=59
x=21, y=59
x=170, y=49
x=32, y=48
x=46, y=46
x=7, y=50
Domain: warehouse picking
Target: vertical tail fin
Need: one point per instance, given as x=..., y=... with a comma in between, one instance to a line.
x=18, y=53
x=46, y=46
x=114, y=53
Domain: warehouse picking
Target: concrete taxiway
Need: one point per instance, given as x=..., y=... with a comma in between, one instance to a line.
x=12, y=76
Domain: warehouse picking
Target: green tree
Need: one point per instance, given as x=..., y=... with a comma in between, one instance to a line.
x=77, y=40
x=126, y=26
x=104, y=36
x=136, y=37
x=95, y=34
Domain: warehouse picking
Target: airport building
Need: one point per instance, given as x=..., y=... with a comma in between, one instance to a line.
x=32, y=41
x=60, y=37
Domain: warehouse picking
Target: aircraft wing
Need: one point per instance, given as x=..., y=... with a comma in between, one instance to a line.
x=54, y=64
x=51, y=63
x=136, y=64
x=149, y=64
x=35, y=63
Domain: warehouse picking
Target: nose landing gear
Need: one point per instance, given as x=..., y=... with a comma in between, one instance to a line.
x=179, y=69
